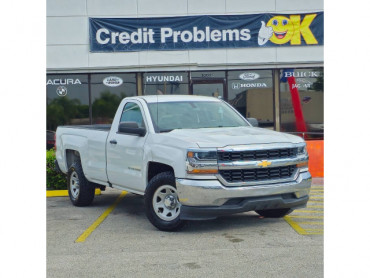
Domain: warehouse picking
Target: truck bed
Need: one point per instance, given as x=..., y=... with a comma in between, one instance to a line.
x=103, y=127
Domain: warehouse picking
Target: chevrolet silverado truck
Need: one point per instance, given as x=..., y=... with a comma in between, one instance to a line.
x=191, y=157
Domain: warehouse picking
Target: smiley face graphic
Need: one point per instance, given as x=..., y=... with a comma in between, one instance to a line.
x=283, y=29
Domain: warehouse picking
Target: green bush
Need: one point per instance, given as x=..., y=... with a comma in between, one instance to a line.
x=54, y=180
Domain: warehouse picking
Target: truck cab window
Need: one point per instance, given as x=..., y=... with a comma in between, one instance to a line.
x=132, y=113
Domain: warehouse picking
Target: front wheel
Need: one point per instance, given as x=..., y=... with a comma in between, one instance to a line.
x=162, y=206
x=274, y=213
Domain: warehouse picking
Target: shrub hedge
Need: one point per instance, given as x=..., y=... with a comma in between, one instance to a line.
x=54, y=180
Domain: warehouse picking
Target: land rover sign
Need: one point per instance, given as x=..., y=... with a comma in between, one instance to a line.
x=112, y=81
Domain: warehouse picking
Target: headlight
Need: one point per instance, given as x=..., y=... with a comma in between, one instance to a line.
x=302, y=149
x=303, y=166
x=201, y=161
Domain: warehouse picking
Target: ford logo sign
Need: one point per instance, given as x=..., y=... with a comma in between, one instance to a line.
x=112, y=81
x=249, y=76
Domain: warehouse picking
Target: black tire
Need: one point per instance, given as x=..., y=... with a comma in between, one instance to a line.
x=274, y=213
x=160, y=180
x=86, y=192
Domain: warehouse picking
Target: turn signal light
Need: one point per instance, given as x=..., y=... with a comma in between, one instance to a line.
x=303, y=164
x=190, y=154
x=203, y=171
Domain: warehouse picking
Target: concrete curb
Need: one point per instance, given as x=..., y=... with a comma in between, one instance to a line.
x=64, y=193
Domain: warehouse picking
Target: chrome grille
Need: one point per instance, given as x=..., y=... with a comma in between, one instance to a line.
x=226, y=156
x=259, y=174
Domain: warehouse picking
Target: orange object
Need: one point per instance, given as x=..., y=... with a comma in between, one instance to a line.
x=203, y=171
x=315, y=149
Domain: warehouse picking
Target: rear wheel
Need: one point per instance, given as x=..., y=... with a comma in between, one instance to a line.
x=162, y=205
x=80, y=190
x=274, y=213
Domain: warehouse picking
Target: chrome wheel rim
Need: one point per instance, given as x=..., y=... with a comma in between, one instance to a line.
x=166, y=203
x=74, y=185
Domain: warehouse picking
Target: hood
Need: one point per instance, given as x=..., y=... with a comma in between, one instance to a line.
x=222, y=137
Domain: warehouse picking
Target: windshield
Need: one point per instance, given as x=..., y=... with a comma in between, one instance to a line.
x=193, y=114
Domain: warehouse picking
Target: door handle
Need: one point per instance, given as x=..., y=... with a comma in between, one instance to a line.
x=113, y=141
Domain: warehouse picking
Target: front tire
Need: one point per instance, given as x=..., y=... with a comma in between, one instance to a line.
x=162, y=206
x=274, y=213
x=81, y=192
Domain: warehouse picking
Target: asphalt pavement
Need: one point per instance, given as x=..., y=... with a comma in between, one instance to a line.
x=125, y=244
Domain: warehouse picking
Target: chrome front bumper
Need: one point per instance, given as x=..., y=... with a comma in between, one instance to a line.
x=214, y=193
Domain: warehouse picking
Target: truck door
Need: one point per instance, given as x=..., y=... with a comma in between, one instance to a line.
x=125, y=166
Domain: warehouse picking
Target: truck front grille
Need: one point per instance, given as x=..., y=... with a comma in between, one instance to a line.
x=226, y=156
x=260, y=174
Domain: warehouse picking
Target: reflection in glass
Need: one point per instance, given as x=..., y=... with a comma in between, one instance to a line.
x=302, y=102
x=167, y=116
x=251, y=93
x=106, y=96
x=209, y=89
x=67, y=100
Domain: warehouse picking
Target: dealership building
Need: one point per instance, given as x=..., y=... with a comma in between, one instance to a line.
x=265, y=58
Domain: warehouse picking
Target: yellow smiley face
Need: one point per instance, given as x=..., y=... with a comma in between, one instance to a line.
x=283, y=29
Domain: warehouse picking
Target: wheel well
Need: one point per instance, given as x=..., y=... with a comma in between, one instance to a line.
x=155, y=168
x=72, y=156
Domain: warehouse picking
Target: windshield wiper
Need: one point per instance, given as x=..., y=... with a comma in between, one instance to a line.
x=165, y=130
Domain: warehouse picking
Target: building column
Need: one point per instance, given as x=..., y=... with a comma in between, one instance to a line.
x=276, y=87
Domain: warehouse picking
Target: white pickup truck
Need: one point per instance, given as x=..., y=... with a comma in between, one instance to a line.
x=192, y=158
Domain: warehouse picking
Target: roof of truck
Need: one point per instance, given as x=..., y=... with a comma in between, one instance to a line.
x=175, y=98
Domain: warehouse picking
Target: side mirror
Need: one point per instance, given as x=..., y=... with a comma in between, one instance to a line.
x=253, y=121
x=131, y=128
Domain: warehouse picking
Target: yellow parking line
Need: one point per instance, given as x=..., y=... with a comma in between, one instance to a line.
x=306, y=216
x=64, y=193
x=294, y=225
x=316, y=198
x=315, y=206
x=309, y=211
x=101, y=218
x=315, y=201
x=310, y=223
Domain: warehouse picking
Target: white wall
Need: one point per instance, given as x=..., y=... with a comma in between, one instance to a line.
x=68, y=35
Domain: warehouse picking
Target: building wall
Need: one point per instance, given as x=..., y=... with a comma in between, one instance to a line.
x=68, y=36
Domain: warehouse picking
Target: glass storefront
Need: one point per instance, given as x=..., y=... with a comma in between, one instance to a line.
x=302, y=102
x=67, y=99
x=74, y=99
x=251, y=93
x=107, y=91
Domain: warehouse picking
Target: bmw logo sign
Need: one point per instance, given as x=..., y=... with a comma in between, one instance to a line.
x=61, y=91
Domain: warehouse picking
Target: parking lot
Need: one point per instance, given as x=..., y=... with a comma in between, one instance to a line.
x=113, y=238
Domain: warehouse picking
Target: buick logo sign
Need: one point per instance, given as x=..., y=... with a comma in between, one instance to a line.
x=112, y=81
x=61, y=91
x=249, y=76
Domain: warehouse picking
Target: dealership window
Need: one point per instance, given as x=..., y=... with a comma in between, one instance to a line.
x=208, y=83
x=67, y=100
x=171, y=83
x=251, y=93
x=107, y=91
x=302, y=102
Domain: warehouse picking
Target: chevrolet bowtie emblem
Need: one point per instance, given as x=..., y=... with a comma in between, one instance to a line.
x=264, y=163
